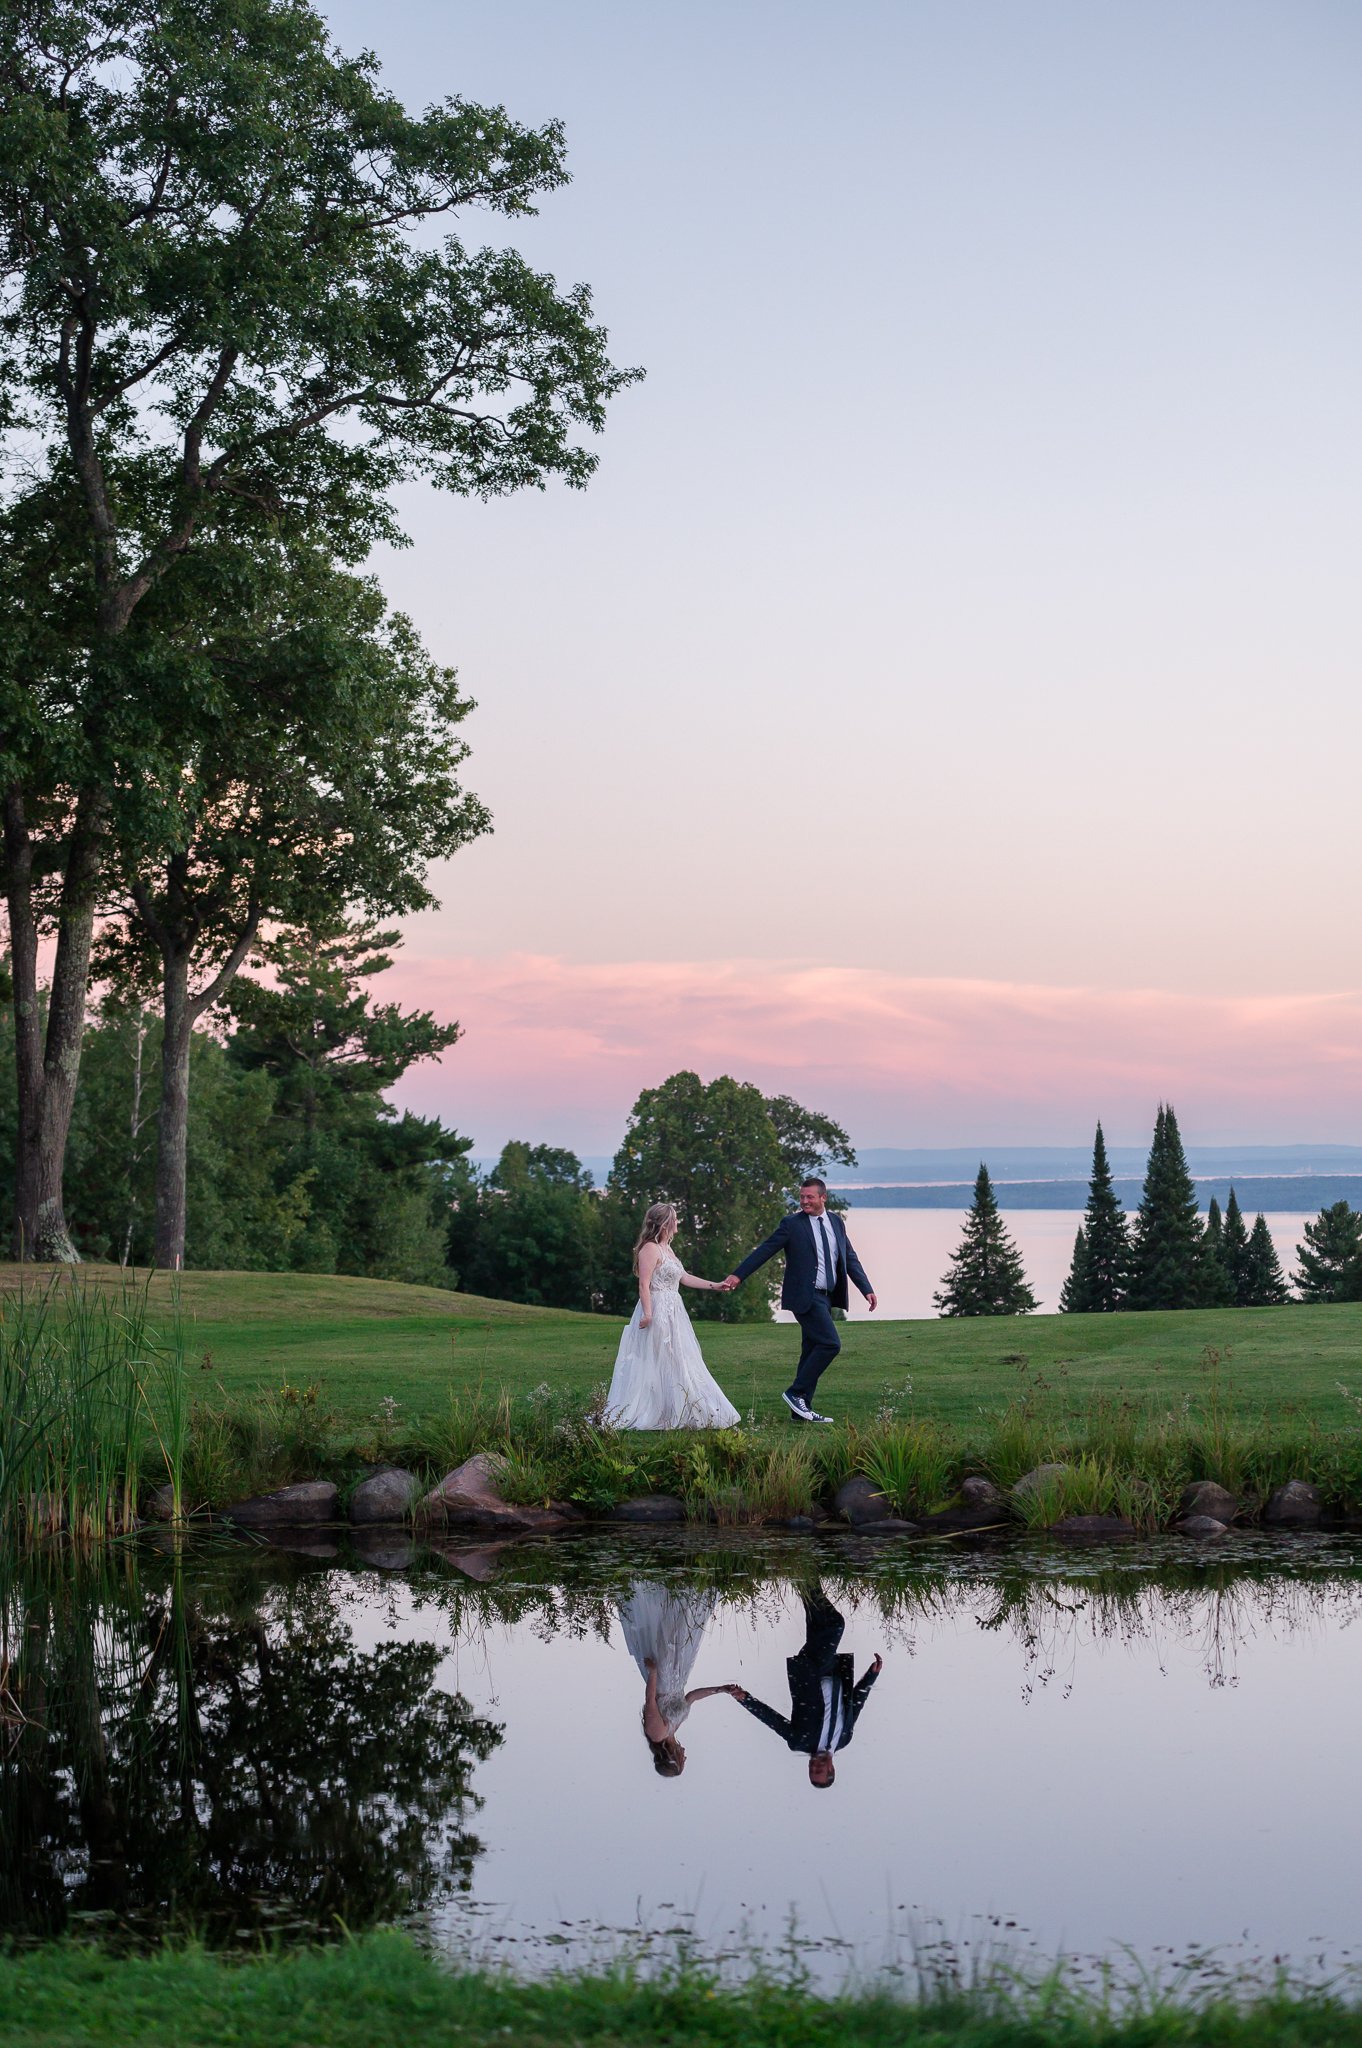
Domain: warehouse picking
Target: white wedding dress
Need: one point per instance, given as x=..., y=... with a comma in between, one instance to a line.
x=661, y=1380
x=668, y=1627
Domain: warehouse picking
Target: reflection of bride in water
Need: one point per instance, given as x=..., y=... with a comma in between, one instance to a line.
x=664, y=1630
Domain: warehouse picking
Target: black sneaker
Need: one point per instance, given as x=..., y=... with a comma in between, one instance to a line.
x=798, y=1407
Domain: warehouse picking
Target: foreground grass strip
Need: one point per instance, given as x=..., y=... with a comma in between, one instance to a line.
x=382, y=1990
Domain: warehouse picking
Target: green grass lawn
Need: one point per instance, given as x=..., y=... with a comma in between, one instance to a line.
x=362, y=1340
x=380, y=1992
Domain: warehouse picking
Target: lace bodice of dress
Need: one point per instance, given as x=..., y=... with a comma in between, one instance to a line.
x=667, y=1273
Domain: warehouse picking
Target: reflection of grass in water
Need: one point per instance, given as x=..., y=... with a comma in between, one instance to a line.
x=384, y=1990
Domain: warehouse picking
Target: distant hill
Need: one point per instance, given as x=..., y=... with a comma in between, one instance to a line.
x=888, y=1165
x=1303, y=1192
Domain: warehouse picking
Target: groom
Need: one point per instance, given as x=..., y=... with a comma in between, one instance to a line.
x=818, y=1257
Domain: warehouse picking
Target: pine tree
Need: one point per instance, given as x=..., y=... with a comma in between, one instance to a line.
x=985, y=1278
x=1216, y=1288
x=1167, y=1239
x=1330, y=1254
x=1073, y=1295
x=1106, y=1238
x=1264, y=1281
x=1236, y=1247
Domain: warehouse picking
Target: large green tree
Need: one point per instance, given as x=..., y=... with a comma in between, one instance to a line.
x=530, y=1231
x=318, y=775
x=1216, y=1289
x=1073, y=1295
x=986, y=1276
x=223, y=306
x=1329, y=1257
x=1166, y=1246
x=1097, y=1283
x=730, y=1158
x=1264, y=1281
x=1235, y=1251
x=380, y=1184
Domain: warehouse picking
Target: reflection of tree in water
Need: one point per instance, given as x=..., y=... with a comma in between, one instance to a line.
x=227, y=1757
x=1052, y=1605
x=1215, y=1610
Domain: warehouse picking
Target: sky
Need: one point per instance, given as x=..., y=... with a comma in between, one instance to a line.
x=943, y=703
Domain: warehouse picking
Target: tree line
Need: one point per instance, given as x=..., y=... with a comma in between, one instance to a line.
x=1166, y=1258
x=234, y=317
x=534, y=1229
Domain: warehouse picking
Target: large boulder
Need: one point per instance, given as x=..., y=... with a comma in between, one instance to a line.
x=1093, y=1529
x=470, y=1498
x=288, y=1507
x=1297, y=1505
x=859, y=1501
x=388, y=1495
x=1208, y=1497
x=977, y=1492
x=650, y=1508
x=1036, y=1480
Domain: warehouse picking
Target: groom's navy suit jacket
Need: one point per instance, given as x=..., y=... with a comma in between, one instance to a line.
x=793, y=1235
x=801, y=1728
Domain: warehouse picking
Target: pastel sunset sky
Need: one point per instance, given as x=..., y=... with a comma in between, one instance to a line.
x=943, y=705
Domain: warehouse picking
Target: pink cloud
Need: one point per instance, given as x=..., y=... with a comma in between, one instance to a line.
x=556, y=1049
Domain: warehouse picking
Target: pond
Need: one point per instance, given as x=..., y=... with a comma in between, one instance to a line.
x=1148, y=1755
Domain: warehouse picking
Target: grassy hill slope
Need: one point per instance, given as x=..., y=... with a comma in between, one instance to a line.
x=362, y=1340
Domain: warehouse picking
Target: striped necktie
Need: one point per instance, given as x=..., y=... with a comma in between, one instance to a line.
x=829, y=1255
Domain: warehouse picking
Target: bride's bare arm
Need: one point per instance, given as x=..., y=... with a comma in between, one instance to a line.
x=694, y=1280
x=649, y=1254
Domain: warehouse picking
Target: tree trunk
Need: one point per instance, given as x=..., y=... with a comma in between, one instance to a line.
x=173, y=1124
x=23, y=933
x=180, y=1013
x=46, y=1233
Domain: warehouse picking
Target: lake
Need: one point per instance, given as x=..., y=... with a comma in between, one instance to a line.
x=906, y=1251
x=1146, y=1756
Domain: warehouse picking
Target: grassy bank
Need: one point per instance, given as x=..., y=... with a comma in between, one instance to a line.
x=382, y=1991
x=220, y=1387
x=363, y=1342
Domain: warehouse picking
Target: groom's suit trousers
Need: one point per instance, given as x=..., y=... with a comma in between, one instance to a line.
x=821, y=1346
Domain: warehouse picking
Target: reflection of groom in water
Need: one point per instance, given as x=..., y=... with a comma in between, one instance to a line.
x=825, y=1705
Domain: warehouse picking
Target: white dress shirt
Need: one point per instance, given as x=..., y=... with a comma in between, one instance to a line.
x=831, y=1734
x=822, y=1277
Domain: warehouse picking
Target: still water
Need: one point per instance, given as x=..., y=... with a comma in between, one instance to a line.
x=906, y=1251
x=1148, y=1754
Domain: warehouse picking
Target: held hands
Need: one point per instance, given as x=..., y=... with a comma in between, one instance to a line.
x=735, y=1692
x=727, y=1286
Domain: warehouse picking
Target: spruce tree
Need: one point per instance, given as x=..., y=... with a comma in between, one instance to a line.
x=1074, y=1294
x=1216, y=1289
x=985, y=1278
x=1106, y=1238
x=1236, y=1246
x=1264, y=1281
x=1330, y=1254
x=1165, y=1254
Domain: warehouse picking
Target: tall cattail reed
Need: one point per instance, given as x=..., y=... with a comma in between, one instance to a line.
x=89, y=1394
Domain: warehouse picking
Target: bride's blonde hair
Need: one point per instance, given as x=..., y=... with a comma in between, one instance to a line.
x=656, y=1218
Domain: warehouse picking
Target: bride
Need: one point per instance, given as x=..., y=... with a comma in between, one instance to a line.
x=661, y=1380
